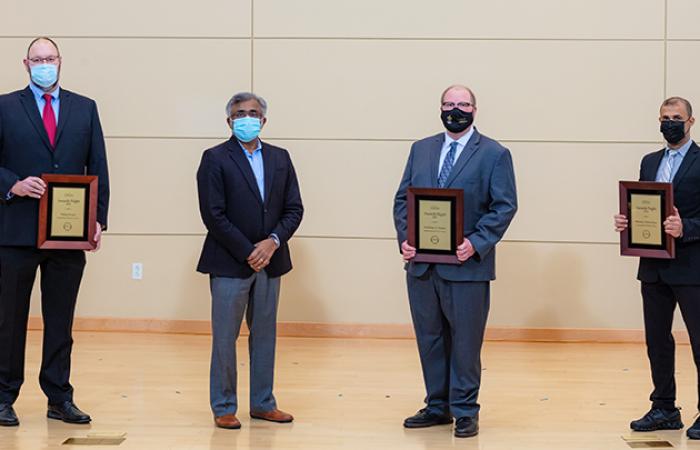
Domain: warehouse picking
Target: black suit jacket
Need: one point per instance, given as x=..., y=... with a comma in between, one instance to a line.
x=236, y=216
x=685, y=268
x=25, y=151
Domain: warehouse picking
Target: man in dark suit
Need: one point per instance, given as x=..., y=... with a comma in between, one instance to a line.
x=43, y=129
x=450, y=303
x=250, y=203
x=667, y=282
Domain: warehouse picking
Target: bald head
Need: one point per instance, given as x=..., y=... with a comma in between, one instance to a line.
x=43, y=41
x=458, y=88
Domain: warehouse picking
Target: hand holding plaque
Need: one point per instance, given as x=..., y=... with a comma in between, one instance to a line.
x=68, y=213
x=646, y=205
x=435, y=218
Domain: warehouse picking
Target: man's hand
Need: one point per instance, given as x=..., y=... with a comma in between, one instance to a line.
x=29, y=187
x=407, y=251
x=673, y=225
x=620, y=223
x=465, y=250
x=98, y=237
x=260, y=257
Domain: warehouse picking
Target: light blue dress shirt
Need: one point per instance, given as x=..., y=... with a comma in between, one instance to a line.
x=40, y=102
x=676, y=160
x=461, y=143
x=256, y=163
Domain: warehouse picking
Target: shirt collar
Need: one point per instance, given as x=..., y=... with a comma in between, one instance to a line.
x=461, y=141
x=39, y=93
x=257, y=149
x=680, y=151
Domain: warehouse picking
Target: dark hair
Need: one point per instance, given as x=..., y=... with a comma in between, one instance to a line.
x=676, y=100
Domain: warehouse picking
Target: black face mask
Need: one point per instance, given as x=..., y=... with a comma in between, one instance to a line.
x=456, y=120
x=673, y=130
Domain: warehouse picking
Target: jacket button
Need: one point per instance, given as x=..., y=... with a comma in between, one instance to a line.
x=55, y=166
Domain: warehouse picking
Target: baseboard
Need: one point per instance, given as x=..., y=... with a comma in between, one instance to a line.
x=372, y=331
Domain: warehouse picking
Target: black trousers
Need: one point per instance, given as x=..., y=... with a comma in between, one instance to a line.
x=660, y=301
x=61, y=273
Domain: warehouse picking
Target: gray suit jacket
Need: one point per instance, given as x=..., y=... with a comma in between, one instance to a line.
x=484, y=170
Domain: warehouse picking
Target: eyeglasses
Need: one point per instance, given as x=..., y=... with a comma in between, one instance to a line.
x=250, y=113
x=460, y=105
x=47, y=60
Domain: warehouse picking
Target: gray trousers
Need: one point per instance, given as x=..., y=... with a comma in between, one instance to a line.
x=257, y=297
x=449, y=318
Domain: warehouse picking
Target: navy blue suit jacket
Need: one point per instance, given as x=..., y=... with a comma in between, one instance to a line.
x=236, y=216
x=484, y=170
x=685, y=268
x=25, y=151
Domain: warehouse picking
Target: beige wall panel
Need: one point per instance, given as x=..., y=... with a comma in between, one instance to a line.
x=463, y=19
x=212, y=18
x=543, y=90
x=569, y=192
x=149, y=87
x=683, y=63
x=154, y=186
x=348, y=187
x=682, y=19
x=362, y=281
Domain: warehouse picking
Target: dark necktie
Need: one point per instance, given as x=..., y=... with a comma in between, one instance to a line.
x=447, y=164
x=50, y=120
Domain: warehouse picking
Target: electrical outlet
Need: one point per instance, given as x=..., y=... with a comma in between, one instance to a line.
x=136, y=271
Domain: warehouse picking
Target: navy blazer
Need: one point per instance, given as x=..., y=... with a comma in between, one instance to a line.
x=236, y=216
x=684, y=269
x=25, y=151
x=484, y=171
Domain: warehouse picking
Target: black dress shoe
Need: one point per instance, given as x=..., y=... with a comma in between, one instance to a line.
x=658, y=419
x=467, y=427
x=67, y=412
x=8, y=418
x=694, y=431
x=423, y=419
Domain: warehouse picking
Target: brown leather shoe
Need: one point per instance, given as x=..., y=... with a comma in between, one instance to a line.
x=273, y=416
x=227, y=421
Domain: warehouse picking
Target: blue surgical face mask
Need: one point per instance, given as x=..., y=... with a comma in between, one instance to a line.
x=44, y=75
x=246, y=129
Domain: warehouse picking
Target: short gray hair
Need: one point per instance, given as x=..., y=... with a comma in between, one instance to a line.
x=676, y=100
x=458, y=86
x=244, y=97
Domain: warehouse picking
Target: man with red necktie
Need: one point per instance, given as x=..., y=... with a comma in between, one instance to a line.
x=43, y=129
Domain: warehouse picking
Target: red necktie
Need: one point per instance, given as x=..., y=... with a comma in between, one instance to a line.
x=50, y=120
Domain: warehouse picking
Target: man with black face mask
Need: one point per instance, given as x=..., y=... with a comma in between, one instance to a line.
x=450, y=302
x=667, y=282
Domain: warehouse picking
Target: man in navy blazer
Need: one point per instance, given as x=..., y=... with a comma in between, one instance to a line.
x=43, y=129
x=666, y=283
x=250, y=203
x=450, y=303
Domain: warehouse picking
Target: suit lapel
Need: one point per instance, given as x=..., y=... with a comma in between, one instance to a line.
x=650, y=171
x=269, y=169
x=464, y=157
x=66, y=100
x=688, y=161
x=438, y=142
x=29, y=104
x=236, y=153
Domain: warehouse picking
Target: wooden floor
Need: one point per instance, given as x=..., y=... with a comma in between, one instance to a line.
x=348, y=394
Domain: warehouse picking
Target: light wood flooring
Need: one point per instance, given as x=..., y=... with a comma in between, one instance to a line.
x=348, y=394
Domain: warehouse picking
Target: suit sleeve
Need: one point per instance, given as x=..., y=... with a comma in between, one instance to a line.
x=212, y=207
x=7, y=177
x=97, y=165
x=400, y=210
x=502, y=207
x=293, y=208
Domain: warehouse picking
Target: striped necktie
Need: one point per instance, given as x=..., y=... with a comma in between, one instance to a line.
x=447, y=164
x=667, y=169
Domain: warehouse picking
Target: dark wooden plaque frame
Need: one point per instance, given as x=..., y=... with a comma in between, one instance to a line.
x=87, y=241
x=667, y=249
x=456, y=199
